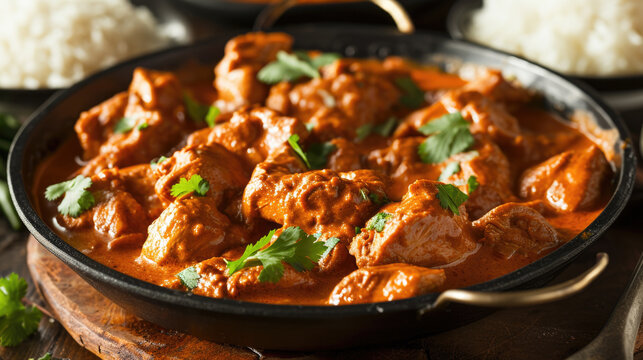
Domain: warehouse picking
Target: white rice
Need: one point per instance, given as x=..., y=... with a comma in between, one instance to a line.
x=582, y=37
x=54, y=43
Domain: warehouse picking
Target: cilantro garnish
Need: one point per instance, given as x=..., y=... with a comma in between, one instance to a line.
x=472, y=184
x=47, y=356
x=363, y=131
x=309, y=126
x=16, y=321
x=196, y=184
x=143, y=126
x=318, y=154
x=293, y=246
x=293, y=140
x=125, y=124
x=384, y=129
x=451, y=197
x=449, y=135
x=378, y=221
x=155, y=163
x=291, y=67
x=412, y=96
x=189, y=277
x=358, y=230
x=199, y=112
x=451, y=168
x=77, y=199
x=379, y=200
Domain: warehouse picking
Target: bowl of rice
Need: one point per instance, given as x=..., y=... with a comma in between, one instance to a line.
x=595, y=41
x=49, y=44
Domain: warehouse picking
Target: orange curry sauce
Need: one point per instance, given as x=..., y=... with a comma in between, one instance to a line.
x=553, y=179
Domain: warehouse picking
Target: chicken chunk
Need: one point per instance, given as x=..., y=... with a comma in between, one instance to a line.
x=122, y=210
x=513, y=227
x=321, y=201
x=337, y=106
x=236, y=74
x=386, y=283
x=246, y=281
x=220, y=168
x=158, y=122
x=570, y=181
x=416, y=231
x=491, y=83
x=190, y=229
x=345, y=157
x=96, y=125
x=251, y=134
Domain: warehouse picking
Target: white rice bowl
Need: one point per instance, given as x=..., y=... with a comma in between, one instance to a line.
x=55, y=43
x=579, y=37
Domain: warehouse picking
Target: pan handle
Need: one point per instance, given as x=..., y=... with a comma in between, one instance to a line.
x=270, y=14
x=523, y=297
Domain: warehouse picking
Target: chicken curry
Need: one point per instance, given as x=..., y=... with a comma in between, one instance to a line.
x=301, y=177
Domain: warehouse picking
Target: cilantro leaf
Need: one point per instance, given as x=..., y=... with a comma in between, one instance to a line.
x=358, y=230
x=451, y=197
x=196, y=184
x=47, y=356
x=330, y=245
x=379, y=200
x=125, y=124
x=189, y=277
x=77, y=199
x=293, y=140
x=199, y=112
x=212, y=115
x=451, y=168
x=449, y=135
x=293, y=246
x=412, y=96
x=378, y=221
x=364, y=194
x=318, y=154
x=386, y=129
x=291, y=67
x=155, y=163
x=143, y=126
x=472, y=184
x=16, y=321
x=363, y=131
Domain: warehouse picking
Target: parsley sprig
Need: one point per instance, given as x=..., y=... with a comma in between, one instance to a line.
x=291, y=67
x=293, y=246
x=77, y=198
x=449, y=135
x=451, y=197
x=196, y=184
x=199, y=112
x=16, y=321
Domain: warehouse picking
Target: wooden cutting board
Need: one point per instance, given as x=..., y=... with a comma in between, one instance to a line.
x=557, y=330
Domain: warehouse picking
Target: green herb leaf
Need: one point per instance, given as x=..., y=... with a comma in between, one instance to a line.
x=412, y=96
x=9, y=126
x=77, y=199
x=318, y=154
x=212, y=115
x=386, y=129
x=16, y=321
x=451, y=168
x=364, y=194
x=472, y=184
x=330, y=245
x=199, y=112
x=155, y=163
x=451, y=197
x=378, y=221
x=379, y=200
x=189, y=277
x=358, y=230
x=143, y=126
x=291, y=67
x=309, y=126
x=449, y=135
x=363, y=131
x=196, y=184
x=293, y=246
x=293, y=140
x=47, y=356
x=125, y=124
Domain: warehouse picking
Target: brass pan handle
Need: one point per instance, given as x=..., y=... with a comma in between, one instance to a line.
x=523, y=297
x=270, y=14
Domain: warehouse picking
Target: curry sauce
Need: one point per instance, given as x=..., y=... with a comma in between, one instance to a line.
x=367, y=177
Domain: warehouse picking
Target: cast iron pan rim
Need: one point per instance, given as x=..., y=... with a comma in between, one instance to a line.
x=95, y=270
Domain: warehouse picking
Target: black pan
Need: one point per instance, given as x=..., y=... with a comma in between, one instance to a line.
x=303, y=327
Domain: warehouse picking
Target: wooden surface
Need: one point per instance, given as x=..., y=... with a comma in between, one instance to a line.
x=557, y=329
